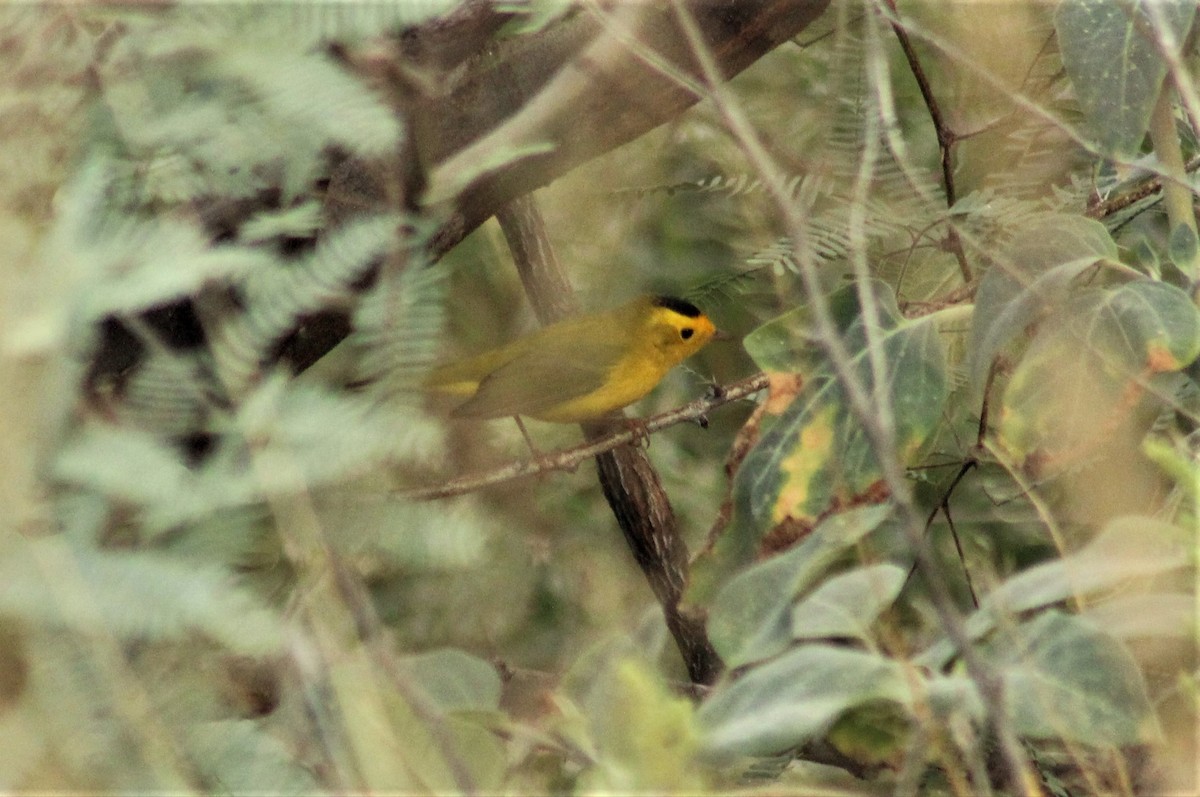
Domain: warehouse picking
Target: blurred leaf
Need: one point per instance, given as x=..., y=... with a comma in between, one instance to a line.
x=1127, y=548
x=848, y=604
x=1112, y=54
x=143, y=264
x=1086, y=370
x=751, y=617
x=310, y=436
x=397, y=533
x=1030, y=278
x=1181, y=247
x=1065, y=679
x=403, y=737
x=133, y=595
x=645, y=736
x=1138, y=616
x=457, y=681
x=796, y=697
x=301, y=221
x=398, y=329
x=873, y=733
x=789, y=344
x=311, y=92
x=238, y=757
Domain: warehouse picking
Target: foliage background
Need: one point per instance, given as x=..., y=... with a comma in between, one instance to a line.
x=212, y=580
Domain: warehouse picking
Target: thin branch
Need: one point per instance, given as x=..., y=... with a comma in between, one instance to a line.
x=1149, y=186
x=947, y=138
x=568, y=459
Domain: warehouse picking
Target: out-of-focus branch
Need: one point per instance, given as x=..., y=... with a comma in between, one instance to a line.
x=581, y=94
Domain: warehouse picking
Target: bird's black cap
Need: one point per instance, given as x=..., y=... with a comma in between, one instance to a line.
x=678, y=305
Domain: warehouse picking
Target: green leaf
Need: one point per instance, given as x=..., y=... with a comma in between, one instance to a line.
x=816, y=456
x=1127, y=548
x=455, y=680
x=1031, y=277
x=750, y=617
x=788, y=343
x=1182, y=247
x=817, y=453
x=1066, y=679
x=796, y=698
x=848, y=604
x=1112, y=54
x=872, y=733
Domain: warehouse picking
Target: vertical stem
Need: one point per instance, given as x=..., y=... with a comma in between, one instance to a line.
x=630, y=483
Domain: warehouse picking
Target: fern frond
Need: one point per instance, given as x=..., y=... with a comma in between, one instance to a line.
x=167, y=394
x=313, y=94
x=307, y=436
x=300, y=221
x=276, y=298
x=132, y=595
x=398, y=329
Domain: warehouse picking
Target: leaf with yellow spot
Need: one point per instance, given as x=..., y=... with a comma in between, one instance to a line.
x=813, y=449
x=817, y=458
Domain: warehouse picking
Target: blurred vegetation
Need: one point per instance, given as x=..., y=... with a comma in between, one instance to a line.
x=949, y=551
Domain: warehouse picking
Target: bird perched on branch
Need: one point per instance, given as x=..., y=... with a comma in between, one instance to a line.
x=579, y=369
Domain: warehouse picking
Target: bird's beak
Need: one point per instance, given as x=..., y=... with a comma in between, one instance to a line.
x=721, y=334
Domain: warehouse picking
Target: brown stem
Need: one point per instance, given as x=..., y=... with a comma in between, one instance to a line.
x=630, y=483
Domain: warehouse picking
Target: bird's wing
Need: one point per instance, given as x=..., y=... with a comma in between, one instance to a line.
x=540, y=380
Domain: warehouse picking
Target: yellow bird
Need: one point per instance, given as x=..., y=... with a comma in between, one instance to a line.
x=580, y=369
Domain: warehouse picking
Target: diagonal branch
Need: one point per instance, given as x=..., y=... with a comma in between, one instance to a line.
x=598, y=96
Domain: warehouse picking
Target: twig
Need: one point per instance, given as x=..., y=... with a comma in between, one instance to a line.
x=568, y=459
x=1151, y=185
x=946, y=137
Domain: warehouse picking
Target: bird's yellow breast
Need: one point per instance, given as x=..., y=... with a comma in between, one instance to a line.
x=631, y=378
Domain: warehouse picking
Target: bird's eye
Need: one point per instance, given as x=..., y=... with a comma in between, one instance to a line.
x=686, y=332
